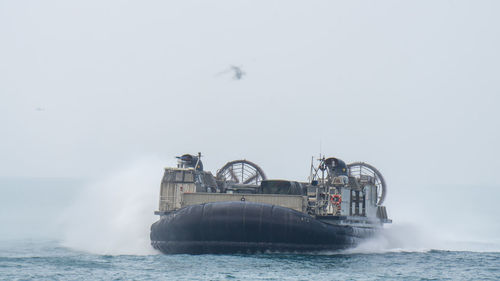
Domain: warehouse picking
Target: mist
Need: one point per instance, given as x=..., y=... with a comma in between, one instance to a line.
x=89, y=89
x=113, y=215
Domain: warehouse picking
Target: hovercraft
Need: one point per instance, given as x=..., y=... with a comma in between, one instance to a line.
x=241, y=211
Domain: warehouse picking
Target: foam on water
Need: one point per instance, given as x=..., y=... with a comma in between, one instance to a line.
x=412, y=238
x=450, y=218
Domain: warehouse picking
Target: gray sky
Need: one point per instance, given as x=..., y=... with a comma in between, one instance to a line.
x=411, y=87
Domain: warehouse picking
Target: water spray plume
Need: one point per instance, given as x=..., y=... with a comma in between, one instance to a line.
x=113, y=215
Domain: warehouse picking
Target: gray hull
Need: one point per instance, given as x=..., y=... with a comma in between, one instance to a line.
x=247, y=227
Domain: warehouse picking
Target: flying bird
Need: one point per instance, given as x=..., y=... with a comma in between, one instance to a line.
x=238, y=73
x=235, y=70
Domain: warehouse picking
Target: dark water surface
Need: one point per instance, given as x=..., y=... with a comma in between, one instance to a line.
x=47, y=260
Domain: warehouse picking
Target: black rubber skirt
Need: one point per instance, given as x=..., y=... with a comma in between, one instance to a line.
x=248, y=227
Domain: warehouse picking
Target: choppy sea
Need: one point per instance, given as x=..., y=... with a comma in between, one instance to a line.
x=48, y=260
x=65, y=229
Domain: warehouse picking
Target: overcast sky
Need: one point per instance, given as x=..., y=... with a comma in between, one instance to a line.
x=411, y=87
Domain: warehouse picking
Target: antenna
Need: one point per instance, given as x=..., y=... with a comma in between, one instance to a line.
x=312, y=167
x=320, y=149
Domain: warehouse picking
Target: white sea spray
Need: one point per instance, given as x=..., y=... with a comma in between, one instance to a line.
x=113, y=215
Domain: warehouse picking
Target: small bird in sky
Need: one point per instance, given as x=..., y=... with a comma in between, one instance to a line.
x=238, y=73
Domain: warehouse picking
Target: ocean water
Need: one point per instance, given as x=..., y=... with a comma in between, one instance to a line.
x=66, y=229
x=48, y=260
